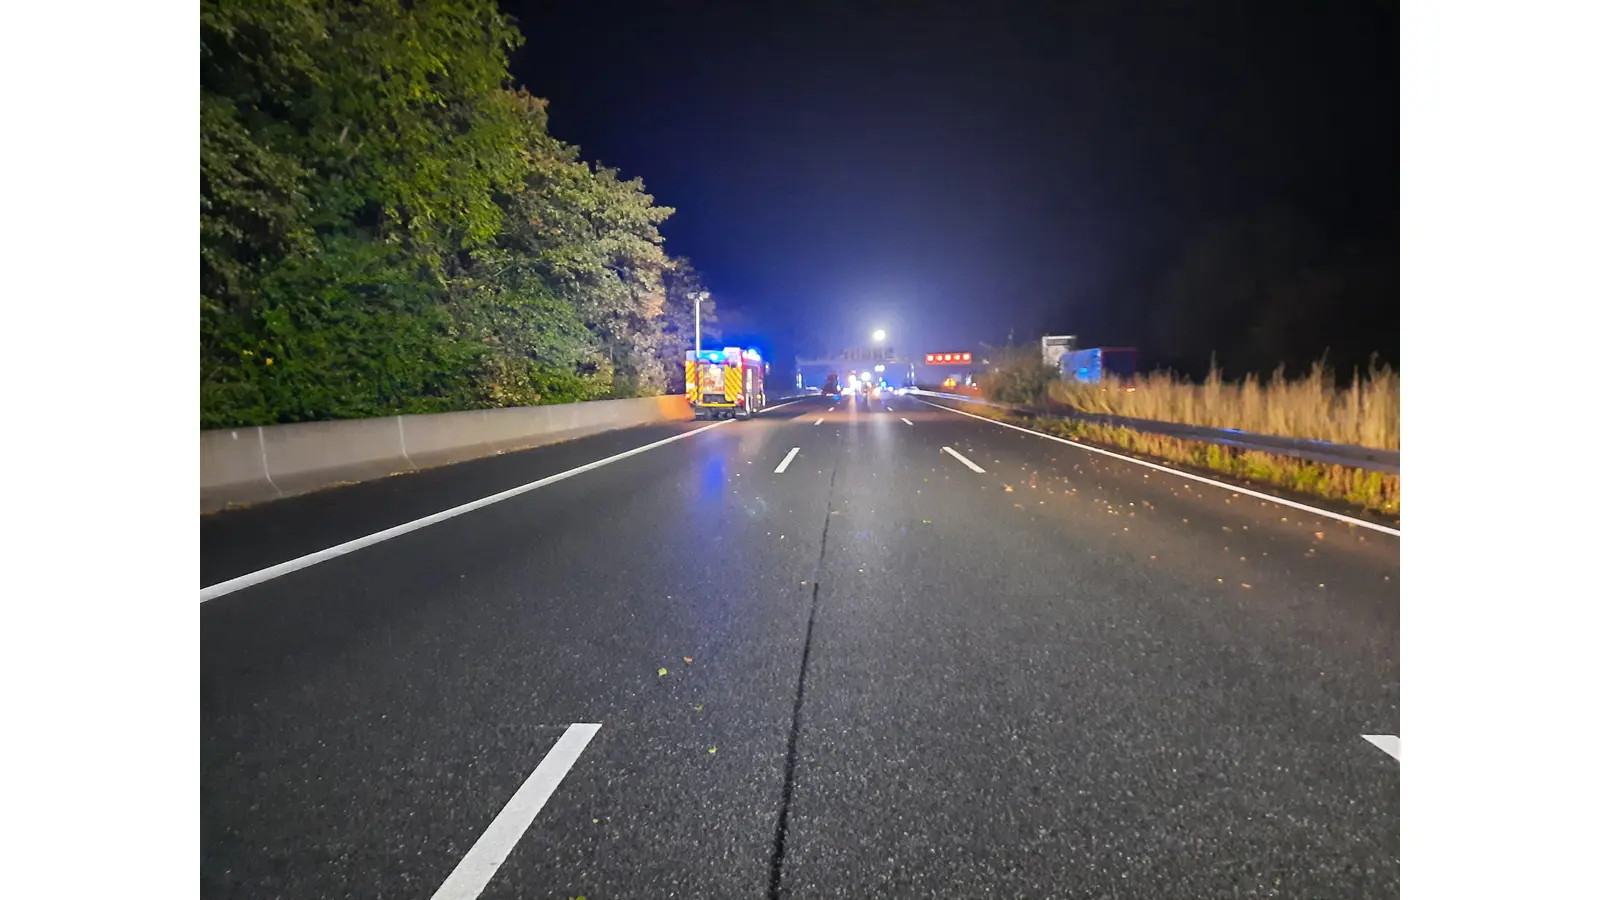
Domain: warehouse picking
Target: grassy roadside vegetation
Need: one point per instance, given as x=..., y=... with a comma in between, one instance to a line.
x=1366, y=413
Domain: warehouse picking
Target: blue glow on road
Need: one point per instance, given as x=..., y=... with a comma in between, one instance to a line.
x=714, y=479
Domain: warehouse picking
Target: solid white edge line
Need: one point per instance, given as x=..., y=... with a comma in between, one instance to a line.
x=1388, y=743
x=223, y=588
x=905, y=420
x=969, y=463
x=786, y=460
x=472, y=874
x=1180, y=473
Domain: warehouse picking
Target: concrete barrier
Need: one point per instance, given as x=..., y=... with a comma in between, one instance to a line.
x=252, y=465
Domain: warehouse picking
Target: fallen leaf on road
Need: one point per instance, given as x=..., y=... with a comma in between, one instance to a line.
x=1319, y=535
x=713, y=749
x=1243, y=585
x=660, y=672
x=698, y=707
x=688, y=659
x=1008, y=488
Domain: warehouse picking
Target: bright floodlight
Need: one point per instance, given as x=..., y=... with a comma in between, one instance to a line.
x=879, y=335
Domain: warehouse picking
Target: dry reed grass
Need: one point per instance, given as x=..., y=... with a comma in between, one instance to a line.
x=1366, y=413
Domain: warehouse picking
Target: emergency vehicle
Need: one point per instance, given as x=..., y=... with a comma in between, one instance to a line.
x=726, y=383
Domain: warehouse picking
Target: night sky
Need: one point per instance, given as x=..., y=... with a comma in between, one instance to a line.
x=1184, y=177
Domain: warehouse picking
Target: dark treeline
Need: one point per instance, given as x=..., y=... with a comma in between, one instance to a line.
x=386, y=225
x=1256, y=291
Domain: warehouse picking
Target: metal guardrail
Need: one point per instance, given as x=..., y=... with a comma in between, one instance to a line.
x=1301, y=448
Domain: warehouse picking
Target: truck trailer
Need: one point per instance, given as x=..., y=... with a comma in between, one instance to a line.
x=1092, y=366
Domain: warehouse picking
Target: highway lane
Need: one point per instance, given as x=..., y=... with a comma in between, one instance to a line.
x=365, y=718
x=238, y=542
x=1003, y=691
x=1029, y=683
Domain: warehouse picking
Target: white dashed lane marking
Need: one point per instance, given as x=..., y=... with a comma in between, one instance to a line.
x=967, y=462
x=786, y=460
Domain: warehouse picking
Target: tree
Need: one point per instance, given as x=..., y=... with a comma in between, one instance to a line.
x=387, y=228
x=537, y=348
x=682, y=282
x=343, y=143
x=595, y=240
x=1266, y=289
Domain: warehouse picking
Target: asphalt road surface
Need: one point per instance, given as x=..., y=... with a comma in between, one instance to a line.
x=887, y=674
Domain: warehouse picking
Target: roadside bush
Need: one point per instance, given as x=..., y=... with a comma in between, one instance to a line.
x=350, y=332
x=1017, y=375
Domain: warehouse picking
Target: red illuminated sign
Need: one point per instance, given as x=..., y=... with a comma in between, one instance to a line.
x=946, y=359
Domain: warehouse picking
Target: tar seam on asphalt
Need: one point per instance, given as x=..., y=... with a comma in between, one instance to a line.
x=775, y=873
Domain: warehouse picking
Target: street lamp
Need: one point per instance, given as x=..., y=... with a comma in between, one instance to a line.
x=879, y=335
x=697, y=296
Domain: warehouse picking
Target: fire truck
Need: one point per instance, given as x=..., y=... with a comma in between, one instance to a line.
x=726, y=383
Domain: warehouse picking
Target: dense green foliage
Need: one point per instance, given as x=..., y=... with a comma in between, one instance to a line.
x=386, y=226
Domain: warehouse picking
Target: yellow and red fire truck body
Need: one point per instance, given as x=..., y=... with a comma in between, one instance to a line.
x=726, y=383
